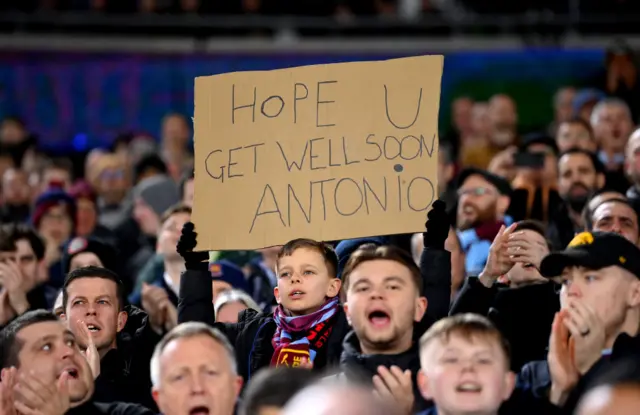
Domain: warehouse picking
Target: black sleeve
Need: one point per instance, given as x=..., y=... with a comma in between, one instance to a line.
x=119, y=408
x=195, y=302
x=435, y=268
x=474, y=298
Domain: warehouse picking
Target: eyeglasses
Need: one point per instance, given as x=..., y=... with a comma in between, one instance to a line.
x=475, y=191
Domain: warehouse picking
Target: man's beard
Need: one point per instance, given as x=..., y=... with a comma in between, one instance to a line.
x=482, y=216
x=578, y=202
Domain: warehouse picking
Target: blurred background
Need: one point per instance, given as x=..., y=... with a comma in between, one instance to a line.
x=81, y=72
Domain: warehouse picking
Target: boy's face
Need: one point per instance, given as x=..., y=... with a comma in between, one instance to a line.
x=304, y=282
x=465, y=376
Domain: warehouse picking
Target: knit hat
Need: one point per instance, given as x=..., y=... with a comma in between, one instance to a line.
x=53, y=196
x=345, y=248
x=103, y=250
x=82, y=190
x=230, y=273
x=159, y=192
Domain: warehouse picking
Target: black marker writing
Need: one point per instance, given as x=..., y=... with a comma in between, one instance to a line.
x=386, y=105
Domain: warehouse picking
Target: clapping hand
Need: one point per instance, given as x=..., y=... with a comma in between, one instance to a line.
x=587, y=332
x=498, y=262
x=32, y=396
x=561, y=360
x=12, y=280
x=396, y=386
x=91, y=352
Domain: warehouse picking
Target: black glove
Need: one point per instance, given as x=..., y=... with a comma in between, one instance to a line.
x=437, y=226
x=186, y=244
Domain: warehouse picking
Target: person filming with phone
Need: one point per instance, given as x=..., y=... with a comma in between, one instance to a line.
x=535, y=194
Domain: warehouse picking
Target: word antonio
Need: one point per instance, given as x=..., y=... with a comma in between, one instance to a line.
x=291, y=205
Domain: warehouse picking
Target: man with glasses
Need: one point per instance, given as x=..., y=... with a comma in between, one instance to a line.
x=483, y=200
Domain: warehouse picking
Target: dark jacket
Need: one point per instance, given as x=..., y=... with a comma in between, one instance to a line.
x=435, y=271
x=124, y=371
x=561, y=229
x=361, y=368
x=115, y=408
x=536, y=377
x=523, y=315
x=252, y=335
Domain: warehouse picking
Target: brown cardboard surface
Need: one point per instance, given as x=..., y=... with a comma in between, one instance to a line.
x=325, y=152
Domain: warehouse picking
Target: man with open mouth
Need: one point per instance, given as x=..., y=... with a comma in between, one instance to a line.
x=194, y=372
x=43, y=371
x=385, y=306
x=123, y=335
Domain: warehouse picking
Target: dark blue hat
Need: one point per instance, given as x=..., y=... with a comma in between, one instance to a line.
x=230, y=273
x=345, y=248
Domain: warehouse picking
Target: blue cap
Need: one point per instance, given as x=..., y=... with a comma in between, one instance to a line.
x=345, y=248
x=230, y=273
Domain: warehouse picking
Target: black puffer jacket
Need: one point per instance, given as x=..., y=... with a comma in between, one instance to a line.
x=361, y=368
x=124, y=371
x=252, y=335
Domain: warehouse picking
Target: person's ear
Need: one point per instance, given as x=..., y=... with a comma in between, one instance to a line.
x=122, y=320
x=600, y=179
x=345, y=306
x=276, y=294
x=421, y=308
x=509, y=385
x=63, y=317
x=155, y=394
x=634, y=293
x=423, y=385
x=503, y=204
x=334, y=287
x=238, y=386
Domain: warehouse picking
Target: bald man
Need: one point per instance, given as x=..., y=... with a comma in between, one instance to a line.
x=611, y=400
x=338, y=399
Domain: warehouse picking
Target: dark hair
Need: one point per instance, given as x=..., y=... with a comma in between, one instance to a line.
x=588, y=218
x=150, y=162
x=94, y=272
x=597, y=164
x=11, y=233
x=174, y=210
x=580, y=121
x=12, y=119
x=326, y=250
x=468, y=326
x=275, y=387
x=371, y=252
x=189, y=175
x=60, y=163
x=10, y=345
x=534, y=226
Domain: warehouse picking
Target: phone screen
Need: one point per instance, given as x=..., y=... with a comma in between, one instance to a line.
x=531, y=160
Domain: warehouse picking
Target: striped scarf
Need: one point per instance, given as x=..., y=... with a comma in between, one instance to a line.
x=310, y=332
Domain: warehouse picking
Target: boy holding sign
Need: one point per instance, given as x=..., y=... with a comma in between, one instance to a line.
x=307, y=327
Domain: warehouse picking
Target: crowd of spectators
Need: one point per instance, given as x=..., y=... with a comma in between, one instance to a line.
x=320, y=7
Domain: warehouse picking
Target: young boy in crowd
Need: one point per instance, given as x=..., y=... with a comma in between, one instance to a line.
x=465, y=366
x=307, y=327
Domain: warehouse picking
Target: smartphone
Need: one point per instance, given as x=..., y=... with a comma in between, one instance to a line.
x=530, y=160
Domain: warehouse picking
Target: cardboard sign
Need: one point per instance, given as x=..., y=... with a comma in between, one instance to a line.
x=325, y=152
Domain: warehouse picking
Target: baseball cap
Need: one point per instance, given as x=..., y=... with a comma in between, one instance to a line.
x=594, y=250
